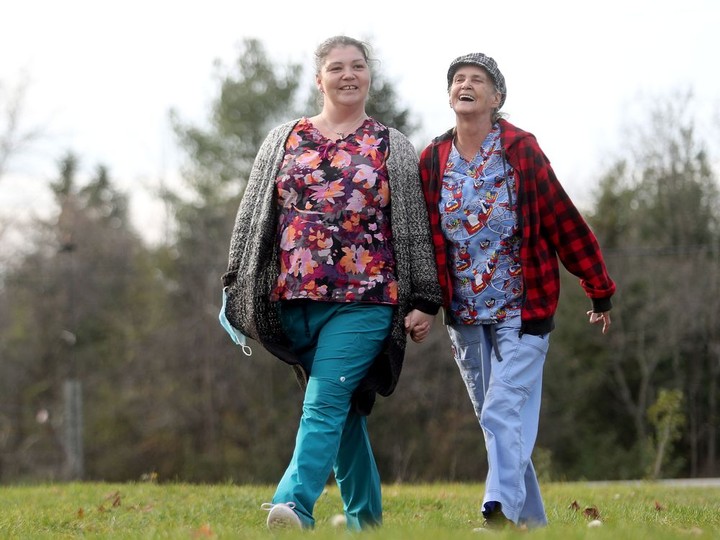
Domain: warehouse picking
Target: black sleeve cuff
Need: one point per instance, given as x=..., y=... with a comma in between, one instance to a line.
x=431, y=308
x=601, y=305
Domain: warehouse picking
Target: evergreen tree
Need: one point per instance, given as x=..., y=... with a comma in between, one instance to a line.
x=656, y=215
x=74, y=308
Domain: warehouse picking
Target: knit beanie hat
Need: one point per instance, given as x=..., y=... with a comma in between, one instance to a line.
x=485, y=62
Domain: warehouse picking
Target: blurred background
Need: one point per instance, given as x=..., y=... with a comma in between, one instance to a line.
x=127, y=132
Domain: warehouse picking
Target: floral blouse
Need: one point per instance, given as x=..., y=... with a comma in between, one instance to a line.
x=334, y=217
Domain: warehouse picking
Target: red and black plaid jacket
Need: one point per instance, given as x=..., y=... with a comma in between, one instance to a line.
x=551, y=228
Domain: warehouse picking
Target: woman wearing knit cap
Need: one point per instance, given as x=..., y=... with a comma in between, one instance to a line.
x=500, y=222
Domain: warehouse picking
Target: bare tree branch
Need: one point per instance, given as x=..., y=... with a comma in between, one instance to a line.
x=14, y=137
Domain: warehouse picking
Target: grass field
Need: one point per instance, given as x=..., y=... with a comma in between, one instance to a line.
x=645, y=511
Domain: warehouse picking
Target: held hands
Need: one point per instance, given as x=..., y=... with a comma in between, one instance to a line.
x=597, y=317
x=418, y=325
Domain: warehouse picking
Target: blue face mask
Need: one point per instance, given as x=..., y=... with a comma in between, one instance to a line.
x=237, y=336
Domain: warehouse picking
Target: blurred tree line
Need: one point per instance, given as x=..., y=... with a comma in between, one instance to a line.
x=165, y=392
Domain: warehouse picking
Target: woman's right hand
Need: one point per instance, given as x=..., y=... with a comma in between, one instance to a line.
x=418, y=325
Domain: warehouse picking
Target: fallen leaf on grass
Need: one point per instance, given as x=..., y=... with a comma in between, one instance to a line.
x=591, y=512
x=115, y=499
x=204, y=531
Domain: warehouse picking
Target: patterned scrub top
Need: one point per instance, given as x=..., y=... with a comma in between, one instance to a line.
x=334, y=217
x=478, y=217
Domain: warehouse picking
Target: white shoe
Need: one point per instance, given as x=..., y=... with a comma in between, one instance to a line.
x=282, y=516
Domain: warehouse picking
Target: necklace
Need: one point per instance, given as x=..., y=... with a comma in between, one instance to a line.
x=352, y=124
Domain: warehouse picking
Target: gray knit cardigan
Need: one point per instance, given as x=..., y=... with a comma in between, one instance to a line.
x=253, y=265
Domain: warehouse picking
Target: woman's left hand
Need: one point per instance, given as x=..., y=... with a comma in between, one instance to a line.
x=597, y=317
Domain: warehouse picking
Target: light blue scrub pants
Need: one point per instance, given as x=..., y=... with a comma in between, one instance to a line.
x=503, y=375
x=336, y=343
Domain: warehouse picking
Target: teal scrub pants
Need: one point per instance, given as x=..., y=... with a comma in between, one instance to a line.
x=336, y=343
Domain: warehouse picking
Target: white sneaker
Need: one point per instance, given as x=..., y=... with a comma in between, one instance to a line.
x=282, y=516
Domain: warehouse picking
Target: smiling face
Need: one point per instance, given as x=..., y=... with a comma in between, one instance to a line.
x=472, y=91
x=344, y=77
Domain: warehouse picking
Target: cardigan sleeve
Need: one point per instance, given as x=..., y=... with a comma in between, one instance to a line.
x=252, y=261
x=411, y=228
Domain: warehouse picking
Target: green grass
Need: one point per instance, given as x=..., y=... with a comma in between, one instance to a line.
x=644, y=511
